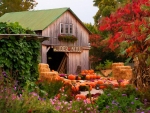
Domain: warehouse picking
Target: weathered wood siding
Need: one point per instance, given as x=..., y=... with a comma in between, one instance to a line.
x=78, y=30
x=78, y=59
x=85, y=59
x=73, y=62
x=44, y=54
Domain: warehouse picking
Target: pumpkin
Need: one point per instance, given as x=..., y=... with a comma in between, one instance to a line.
x=93, y=84
x=102, y=86
x=80, y=96
x=71, y=77
x=91, y=76
x=98, y=77
x=75, y=88
x=87, y=77
x=94, y=76
x=100, y=82
x=86, y=71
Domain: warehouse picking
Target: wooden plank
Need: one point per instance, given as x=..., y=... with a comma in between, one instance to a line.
x=85, y=59
x=44, y=54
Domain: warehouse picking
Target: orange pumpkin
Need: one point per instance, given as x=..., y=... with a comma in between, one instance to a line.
x=80, y=96
x=71, y=77
x=93, y=84
x=100, y=82
x=86, y=71
x=98, y=77
x=102, y=86
x=87, y=77
x=82, y=71
x=94, y=76
x=75, y=88
x=91, y=76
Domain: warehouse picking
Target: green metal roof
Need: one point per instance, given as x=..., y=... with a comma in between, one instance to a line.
x=35, y=20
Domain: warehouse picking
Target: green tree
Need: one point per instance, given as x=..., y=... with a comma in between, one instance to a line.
x=106, y=7
x=7, y=6
x=92, y=28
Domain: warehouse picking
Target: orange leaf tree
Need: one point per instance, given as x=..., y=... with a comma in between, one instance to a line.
x=129, y=30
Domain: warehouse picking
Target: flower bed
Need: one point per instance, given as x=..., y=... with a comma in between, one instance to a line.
x=67, y=38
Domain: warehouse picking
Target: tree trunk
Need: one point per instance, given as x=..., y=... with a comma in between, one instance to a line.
x=141, y=74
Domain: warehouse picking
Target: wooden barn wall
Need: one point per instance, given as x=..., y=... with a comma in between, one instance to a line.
x=78, y=30
x=85, y=59
x=73, y=62
x=78, y=59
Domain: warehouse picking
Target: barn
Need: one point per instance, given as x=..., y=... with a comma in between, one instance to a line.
x=67, y=47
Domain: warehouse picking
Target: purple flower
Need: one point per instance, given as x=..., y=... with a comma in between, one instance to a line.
x=124, y=95
x=132, y=102
x=107, y=107
x=136, y=98
x=4, y=74
x=109, y=94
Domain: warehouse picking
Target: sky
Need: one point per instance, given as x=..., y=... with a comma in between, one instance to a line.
x=84, y=9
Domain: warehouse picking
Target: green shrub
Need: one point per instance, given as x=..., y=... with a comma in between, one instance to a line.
x=106, y=65
x=123, y=100
x=19, y=56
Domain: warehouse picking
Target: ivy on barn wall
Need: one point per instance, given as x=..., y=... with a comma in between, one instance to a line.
x=18, y=55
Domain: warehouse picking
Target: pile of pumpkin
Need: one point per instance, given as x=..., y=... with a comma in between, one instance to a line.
x=88, y=80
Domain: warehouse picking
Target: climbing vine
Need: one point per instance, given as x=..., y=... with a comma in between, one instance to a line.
x=19, y=55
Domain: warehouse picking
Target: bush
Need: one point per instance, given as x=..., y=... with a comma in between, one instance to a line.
x=19, y=56
x=122, y=100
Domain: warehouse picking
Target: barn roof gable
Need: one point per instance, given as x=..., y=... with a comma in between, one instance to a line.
x=38, y=19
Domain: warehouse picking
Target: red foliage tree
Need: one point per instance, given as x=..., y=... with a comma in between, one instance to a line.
x=95, y=44
x=131, y=24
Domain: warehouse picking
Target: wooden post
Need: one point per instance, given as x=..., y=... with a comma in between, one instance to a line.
x=44, y=54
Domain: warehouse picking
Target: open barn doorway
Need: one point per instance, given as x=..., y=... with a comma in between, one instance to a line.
x=57, y=61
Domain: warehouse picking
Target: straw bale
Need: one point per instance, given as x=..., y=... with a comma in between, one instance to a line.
x=48, y=76
x=114, y=65
x=121, y=72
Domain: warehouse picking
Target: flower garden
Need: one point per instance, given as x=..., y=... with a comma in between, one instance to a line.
x=59, y=93
x=26, y=86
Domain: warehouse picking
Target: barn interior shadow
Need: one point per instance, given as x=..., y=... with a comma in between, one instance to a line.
x=54, y=59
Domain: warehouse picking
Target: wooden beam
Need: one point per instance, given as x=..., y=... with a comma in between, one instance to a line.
x=44, y=54
x=67, y=54
x=29, y=36
x=48, y=49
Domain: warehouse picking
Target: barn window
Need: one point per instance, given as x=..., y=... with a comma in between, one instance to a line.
x=71, y=28
x=66, y=28
x=61, y=28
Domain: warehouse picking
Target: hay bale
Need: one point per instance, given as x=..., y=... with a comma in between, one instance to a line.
x=48, y=76
x=45, y=73
x=121, y=72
